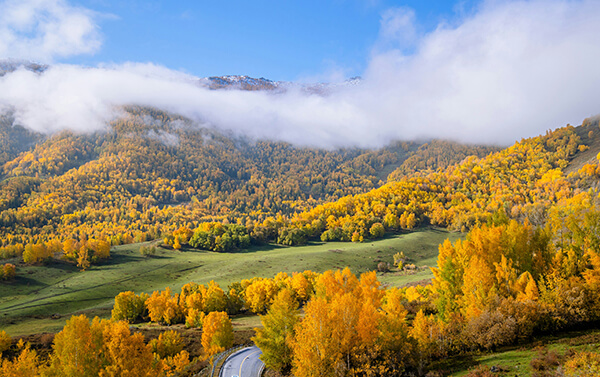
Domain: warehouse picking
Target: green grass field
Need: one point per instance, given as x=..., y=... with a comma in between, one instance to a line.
x=28, y=303
x=516, y=361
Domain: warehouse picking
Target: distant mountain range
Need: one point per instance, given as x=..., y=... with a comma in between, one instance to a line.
x=11, y=65
x=250, y=83
x=231, y=82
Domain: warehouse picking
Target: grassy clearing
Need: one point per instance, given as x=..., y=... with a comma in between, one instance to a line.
x=516, y=360
x=27, y=304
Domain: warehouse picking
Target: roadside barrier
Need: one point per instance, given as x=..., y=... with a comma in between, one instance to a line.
x=222, y=357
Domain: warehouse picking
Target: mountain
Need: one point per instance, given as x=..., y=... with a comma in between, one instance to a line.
x=530, y=181
x=261, y=84
x=153, y=172
x=239, y=83
x=228, y=82
x=11, y=65
x=14, y=138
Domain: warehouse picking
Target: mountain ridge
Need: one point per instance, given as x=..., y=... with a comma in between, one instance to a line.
x=169, y=171
x=228, y=82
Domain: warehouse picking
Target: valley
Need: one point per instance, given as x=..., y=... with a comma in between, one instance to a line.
x=449, y=248
x=39, y=292
x=323, y=189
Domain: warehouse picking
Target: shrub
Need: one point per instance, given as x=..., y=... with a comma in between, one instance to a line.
x=147, y=250
x=168, y=344
x=383, y=267
x=377, y=230
x=129, y=307
x=481, y=371
x=8, y=272
x=544, y=363
x=582, y=364
x=5, y=341
x=491, y=329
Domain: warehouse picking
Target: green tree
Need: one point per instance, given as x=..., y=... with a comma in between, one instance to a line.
x=278, y=329
x=377, y=230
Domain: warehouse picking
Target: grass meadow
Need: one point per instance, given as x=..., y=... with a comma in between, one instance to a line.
x=41, y=298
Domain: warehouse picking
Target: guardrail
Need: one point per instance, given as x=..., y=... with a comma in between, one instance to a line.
x=221, y=358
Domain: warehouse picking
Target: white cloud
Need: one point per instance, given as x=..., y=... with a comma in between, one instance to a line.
x=397, y=28
x=509, y=70
x=513, y=69
x=44, y=30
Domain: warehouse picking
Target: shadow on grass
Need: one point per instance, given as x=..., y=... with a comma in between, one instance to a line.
x=454, y=364
x=29, y=303
x=315, y=242
x=118, y=258
x=23, y=281
x=62, y=266
x=250, y=250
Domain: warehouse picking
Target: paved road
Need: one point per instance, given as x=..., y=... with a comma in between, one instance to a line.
x=243, y=363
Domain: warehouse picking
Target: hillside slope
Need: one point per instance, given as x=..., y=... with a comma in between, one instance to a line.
x=523, y=181
x=151, y=173
x=589, y=132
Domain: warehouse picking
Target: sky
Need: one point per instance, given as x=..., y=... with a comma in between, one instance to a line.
x=279, y=40
x=488, y=71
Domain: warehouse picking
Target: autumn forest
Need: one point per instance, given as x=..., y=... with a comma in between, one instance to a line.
x=526, y=263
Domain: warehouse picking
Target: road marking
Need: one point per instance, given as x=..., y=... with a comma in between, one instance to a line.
x=242, y=364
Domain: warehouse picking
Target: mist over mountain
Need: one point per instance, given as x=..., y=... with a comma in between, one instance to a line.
x=11, y=65
x=505, y=71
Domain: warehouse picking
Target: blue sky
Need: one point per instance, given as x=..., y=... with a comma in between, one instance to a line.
x=277, y=39
x=489, y=71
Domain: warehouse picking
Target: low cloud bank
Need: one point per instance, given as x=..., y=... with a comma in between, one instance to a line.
x=507, y=71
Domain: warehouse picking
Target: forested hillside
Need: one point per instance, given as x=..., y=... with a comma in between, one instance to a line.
x=529, y=265
x=523, y=181
x=151, y=173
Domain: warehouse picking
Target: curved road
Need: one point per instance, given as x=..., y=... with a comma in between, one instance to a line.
x=243, y=363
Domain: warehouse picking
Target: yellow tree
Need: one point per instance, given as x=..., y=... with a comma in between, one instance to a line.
x=217, y=334
x=83, y=258
x=77, y=348
x=339, y=332
x=129, y=306
x=592, y=280
x=157, y=304
x=315, y=350
x=8, y=271
x=303, y=285
x=448, y=278
x=330, y=283
x=259, y=295
x=5, y=341
x=126, y=354
x=27, y=364
x=478, y=280
x=169, y=343
x=164, y=307
x=215, y=299
x=393, y=340
x=422, y=332
x=70, y=248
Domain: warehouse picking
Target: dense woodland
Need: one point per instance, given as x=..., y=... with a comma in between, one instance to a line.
x=530, y=263
x=524, y=181
x=151, y=173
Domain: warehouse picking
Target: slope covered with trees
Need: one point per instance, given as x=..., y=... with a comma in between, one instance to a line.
x=151, y=173
x=529, y=265
x=524, y=180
